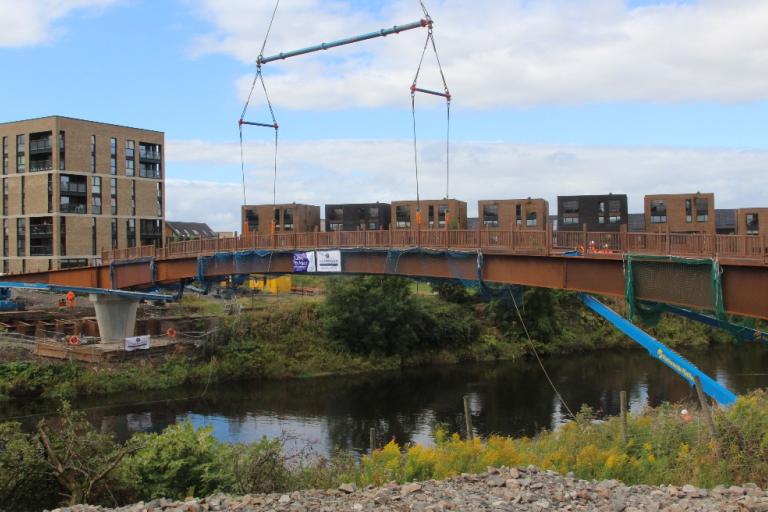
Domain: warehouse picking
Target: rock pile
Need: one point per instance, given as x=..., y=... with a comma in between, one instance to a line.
x=518, y=489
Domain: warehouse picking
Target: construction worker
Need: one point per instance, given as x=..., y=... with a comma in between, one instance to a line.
x=71, y=299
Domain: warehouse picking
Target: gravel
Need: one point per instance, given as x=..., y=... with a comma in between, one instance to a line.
x=518, y=489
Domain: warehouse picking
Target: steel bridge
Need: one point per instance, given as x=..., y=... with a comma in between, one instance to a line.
x=591, y=262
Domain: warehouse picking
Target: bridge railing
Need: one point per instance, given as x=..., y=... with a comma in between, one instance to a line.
x=534, y=242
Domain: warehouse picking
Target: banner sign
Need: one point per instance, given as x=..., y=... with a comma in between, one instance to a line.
x=137, y=343
x=304, y=262
x=329, y=261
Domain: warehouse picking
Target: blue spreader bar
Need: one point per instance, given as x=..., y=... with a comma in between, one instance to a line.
x=666, y=355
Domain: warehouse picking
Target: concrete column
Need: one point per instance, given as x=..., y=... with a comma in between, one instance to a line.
x=116, y=317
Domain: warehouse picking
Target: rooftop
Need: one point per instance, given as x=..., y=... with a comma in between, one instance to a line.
x=77, y=119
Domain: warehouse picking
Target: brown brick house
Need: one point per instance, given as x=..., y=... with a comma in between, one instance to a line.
x=292, y=217
x=435, y=214
x=509, y=214
x=680, y=213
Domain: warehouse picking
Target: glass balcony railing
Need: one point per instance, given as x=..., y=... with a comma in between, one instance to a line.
x=40, y=165
x=41, y=229
x=149, y=155
x=40, y=146
x=41, y=250
x=73, y=208
x=73, y=188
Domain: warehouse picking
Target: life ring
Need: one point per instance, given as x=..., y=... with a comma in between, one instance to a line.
x=73, y=340
x=171, y=332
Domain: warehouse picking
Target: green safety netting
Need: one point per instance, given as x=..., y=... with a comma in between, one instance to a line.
x=693, y=282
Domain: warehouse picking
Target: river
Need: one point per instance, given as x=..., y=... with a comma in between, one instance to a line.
x=510, y=398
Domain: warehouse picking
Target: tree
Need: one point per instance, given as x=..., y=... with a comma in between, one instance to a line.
x=451, y=291
x=80, y=458
x=371, y=314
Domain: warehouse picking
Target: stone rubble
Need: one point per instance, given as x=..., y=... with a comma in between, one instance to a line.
x=500, y=489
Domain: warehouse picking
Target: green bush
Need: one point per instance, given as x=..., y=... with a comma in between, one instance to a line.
x=179, y=462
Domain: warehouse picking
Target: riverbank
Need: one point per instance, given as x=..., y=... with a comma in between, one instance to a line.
x=518, y=489
x=660, y=447
x=289, y=337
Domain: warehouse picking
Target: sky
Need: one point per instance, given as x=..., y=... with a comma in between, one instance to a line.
x=549, y=97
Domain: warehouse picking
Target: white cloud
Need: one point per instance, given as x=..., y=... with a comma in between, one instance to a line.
x=328, y=171
x=506, y=53
x=31, y=22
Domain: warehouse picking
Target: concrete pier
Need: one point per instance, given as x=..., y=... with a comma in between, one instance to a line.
x=116, y=317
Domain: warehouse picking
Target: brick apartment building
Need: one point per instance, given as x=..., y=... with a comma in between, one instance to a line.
x=752, y=221
x=294, y=217
x=680, y=213
x=357, y=217
x=435, y=214
x=73, y=188
x=606, y=212
x=509, y=214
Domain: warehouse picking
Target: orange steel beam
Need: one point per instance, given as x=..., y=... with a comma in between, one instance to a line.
x=745, y=287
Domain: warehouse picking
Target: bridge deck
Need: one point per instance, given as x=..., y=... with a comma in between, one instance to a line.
x=531, y=258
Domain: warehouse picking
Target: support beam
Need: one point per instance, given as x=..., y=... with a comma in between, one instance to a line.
x=666, y=355
x=116, y=317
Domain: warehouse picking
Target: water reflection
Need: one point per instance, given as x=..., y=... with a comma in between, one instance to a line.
x=511, y=398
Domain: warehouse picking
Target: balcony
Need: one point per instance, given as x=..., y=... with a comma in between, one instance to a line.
x=40, y=165
x=41, y=250
x=40, y=146
x=73, y=208
x=40, y=230
x=149, y=155
x=74, y=189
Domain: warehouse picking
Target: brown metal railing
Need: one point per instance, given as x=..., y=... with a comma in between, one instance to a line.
x=533, y=242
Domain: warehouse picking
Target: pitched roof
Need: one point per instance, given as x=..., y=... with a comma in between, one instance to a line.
x=190, y=229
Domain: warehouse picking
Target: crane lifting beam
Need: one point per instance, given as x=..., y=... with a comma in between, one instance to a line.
x=341, y=42
x=666, y=355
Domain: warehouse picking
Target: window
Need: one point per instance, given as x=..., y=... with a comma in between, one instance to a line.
x=403, y=216
x=130, y=158
x=114, y=233
x=753, y=224
x=62, y=236
x=96, y=185
x=41, y=236
x=5, y=155
x=601, y=212
x=112, y=165
x=658, y=212
x=373, y=212
x=133, y=197
x=93, y=235
x=531, y=219
x=702, y=209
x=491, y=215
x=442, y=211
x=62, y=165
x=571, y=211
x=5, y=196
x=337, y=213
x=113, y=156
x=518, y=215
x=288, y=219
x=73, y=192
x=159, y=199
x=93, y=153
x=336, y=226
x=113, y=196
x=23, y=196
x=21, y=237
x=50, y=193
x=252, y=220
x=5, y=243
x=130, y=225
x=113, y=146
x=20, y=143
x=688, y=211
x=96, y=207
x=614, y=211
x=20, y=163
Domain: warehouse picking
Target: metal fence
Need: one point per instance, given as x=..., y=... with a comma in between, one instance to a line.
x=752, y=249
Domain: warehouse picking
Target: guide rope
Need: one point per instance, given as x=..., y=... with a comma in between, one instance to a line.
x=536, y=353
x=430, y=40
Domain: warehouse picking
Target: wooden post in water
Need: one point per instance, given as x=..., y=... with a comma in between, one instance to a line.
x=468, y=418
x=707, y=414
x=623, y=406
x=372, y=435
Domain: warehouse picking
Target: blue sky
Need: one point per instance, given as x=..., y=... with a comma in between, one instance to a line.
x=592, y=79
